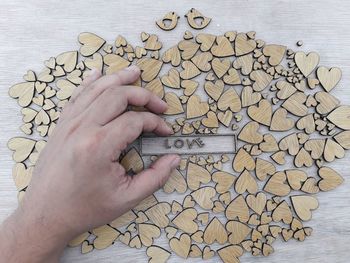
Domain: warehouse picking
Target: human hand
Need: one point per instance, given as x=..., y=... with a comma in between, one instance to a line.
x=78, y=183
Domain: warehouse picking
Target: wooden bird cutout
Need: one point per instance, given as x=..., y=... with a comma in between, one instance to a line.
x=192, y=15
x=172, y=17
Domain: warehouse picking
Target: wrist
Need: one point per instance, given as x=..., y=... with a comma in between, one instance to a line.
x=29, y=237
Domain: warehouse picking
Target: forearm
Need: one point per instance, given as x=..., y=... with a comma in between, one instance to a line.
x=27, y=239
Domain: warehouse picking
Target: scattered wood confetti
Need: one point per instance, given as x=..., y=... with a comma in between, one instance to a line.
x=247, y=92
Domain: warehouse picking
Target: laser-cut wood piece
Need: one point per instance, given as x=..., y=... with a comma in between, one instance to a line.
x=296, y=178
x=250, y=133
x=246, y=182
x=22, y=148
x=328, y=78
x=90, y=42
x=206, y=41
x=340, y=117
x=194, y=14
x=332, y=150
x=203, y=197
x=157, y=254
x=132, y=161
x=238, y=208
x=280, y=121
x=325, y=102
x=222, y=47
x=230, y=253
x=185, y=220
x=202, y=61
x=306, y=63
x=168, y=22
x=275, y=53
x=263, y=169
x=211, y=121
x=105, y=236
x=174, y=104
x=303, y=205
x=257, y=202
x=195, y=107
x=149, y=67
x=232, y=77
x=261, y=79
x=243, y=45
x=158, y=214
x=214, y=90
x=196, y=175
x=181, y=246
x=282, y=213
x=276, y=185
x=330, y=179
x=242, y=161
x=148, y=233
x=176, y=182
x=215, y=232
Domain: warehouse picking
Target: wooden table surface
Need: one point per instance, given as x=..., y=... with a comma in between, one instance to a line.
x=31, y=31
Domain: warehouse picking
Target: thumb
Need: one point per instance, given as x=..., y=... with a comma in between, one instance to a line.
x=150, y=180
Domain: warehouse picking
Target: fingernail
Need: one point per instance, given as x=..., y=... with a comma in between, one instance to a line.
x=175, y=162
x=133, y=68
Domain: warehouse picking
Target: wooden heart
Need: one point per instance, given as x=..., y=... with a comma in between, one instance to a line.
x=158, y=214
x=174, y=104
x=181, y=246
x=172, y=79
x=90, y=42
x=285, y=89
x=306, y=63
x=229, y=100
x=24, y=92
x=223, y=181
x=303, y=158
x=156, y=87
x=215, y=232
x=275, y=53
x=22, y=148
x=208, y=253
x=190, y=86
x=332, y=150
x=148, y=233
x=264, y=168
x=330, y=179
x=176, y=182
x=214, y=90
x=257, y=203
x=220, y=67
x=328, y=78
x=66, y=89
x=204, y=196
x=68, y=60
x=173, y=56
x=249, y=97
x=261, y=79
x=132, y=161
x=195, y=107
x=290, y=143
x=243, y=45
x=238, y=208
x=295, y=104
x=242, y=161
x=222, y=48
x=157, y=254
x=105, y=236
x=282, y=213
x=188, y=49
x=280, y=122
x=261, y=113
x=206, y=41
x=185, y=220
x=276, y=185
x=232, y=77
x=325, y=102
x=202, y=61
x=244, y=63
x=211, y=121
x=149, y=67
x=269, y=143
x=250, y=133
x=196, y=175
x=296, y=178
x=303, y=204
x=230, y=253
x=225, y=117
x=246, y=182
x=340, y=117
x=22, y=175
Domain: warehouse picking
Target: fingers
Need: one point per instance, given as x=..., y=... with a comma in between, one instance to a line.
x=114, y=101
x=150, y=180
x=123, y=77
x=126, y=128
x=92, y=76
x=69, y=110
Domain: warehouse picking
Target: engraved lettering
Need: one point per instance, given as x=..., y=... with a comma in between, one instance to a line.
x=179, y=143
x=167, y=146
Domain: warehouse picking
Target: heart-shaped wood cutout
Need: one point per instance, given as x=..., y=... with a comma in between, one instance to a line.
x=238, y=208
x=148, y=233
x=303, y=204
x=158, y=214
x=214, y=90
x=90, y=42
x=328, y=78
x=229, y=100
x=306, y=63
x=174, y=104
x=250, y=133
x=275, y=53
x=230, y=253
x=185, y=220
x=215, y=232
x=243, y=45
x=261, y=113
x=157, y=254
x=181, y=246
x=196, y=175
x=276, y=185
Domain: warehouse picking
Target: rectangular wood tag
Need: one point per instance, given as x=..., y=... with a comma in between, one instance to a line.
x=188, y=145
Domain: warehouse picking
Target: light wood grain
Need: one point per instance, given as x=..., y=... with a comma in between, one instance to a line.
x=32, y=31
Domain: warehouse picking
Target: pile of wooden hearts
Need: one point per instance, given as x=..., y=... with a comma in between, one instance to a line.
x=223, y=212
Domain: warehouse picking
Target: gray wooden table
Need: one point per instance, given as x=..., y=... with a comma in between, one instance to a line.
x=31, y=31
